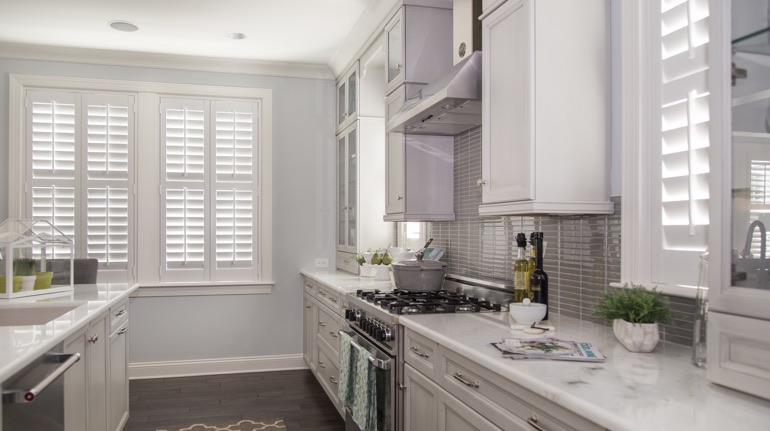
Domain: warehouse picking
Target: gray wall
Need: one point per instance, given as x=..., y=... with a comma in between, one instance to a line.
x=211, y=327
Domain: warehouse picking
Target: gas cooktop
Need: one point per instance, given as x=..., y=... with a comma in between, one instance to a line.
x=442, y=301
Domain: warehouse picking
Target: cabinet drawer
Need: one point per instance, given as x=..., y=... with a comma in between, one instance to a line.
x=118, y=315
x=347, y=262
x=330, y=298
x=420, y=353
x=327, y=330
x=502, y=401
x=310, y=287
x=328, y=374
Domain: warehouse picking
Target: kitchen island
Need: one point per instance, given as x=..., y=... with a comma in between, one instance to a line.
x=658, y=391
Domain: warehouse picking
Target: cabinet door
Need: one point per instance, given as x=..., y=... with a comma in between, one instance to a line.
x=453, y=415
x=342, y=195
x=97, y=374
x=420, y=402
x=507, y=121
x=347, y=97
x=352, y=189
x=308, y=333
x=395, y=50
x=75, y=383
x=395, y=168
x=342, y=108
x=118, y=384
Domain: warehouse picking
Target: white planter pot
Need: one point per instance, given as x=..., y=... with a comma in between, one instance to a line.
x=28, y=282
x=636, y=337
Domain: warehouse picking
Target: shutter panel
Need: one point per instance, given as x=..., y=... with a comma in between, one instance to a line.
x=684, y=143
x=184, y=130
x=185, y=224
x=235, y=142
x=56, y=205
x=109, y=139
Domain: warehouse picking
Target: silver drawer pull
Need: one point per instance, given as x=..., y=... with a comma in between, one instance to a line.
x=533, y=422
x=334, y=300
x=333, y=380
x=419, y=353
x=93, y=338
x=321, y=364
x=333, y=334
x=459, y=376
x=309, y=286
x=121, y=312
x=307, y=306
x=321, y=324
x=122, y=331
x=322, y=293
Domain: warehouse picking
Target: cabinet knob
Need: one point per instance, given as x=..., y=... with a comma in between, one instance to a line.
x=400, y=198
x=307, y=306
x=480, y=182
x=93, y=339
x=398, y=66
x=401, y=386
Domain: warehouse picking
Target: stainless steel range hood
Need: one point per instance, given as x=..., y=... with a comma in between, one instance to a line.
x=446, y=107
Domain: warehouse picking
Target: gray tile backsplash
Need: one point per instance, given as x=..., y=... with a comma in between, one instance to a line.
x=582, y=254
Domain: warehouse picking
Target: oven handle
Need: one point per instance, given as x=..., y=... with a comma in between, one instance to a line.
x=377, y=362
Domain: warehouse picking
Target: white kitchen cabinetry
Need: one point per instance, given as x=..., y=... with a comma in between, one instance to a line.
x=546, y=118
x=455, y=393
x=347, y=97
x=118, y=368
x=418, y=45
x=85, y=385
x=309, y=317
x=420, y=179
x=360, y=188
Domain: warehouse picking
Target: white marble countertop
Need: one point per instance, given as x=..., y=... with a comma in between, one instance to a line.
x=345, y=282
x=629, y=391
x=21, y=344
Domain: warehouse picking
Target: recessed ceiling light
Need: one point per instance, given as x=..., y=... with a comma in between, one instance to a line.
x=123, y=26
x=234, y=35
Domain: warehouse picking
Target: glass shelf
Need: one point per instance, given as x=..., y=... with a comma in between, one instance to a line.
x=757, y=42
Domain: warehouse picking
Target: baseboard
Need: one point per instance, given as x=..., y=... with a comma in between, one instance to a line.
x=202, y=367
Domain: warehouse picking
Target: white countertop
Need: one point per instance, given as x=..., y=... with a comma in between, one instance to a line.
x=21, y=344
x=629, y=391
x=346, y=282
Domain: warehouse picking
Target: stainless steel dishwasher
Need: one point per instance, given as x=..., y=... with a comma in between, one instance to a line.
x=33, y=398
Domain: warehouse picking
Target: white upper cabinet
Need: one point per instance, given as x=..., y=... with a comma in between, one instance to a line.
x=545, y=134
x=418, y=45
x=347, y=97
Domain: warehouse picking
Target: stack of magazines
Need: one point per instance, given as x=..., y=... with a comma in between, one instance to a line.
x=548, y=348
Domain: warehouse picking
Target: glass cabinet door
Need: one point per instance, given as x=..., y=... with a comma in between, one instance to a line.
x=352, y=191
x=341, y=195
x=395, y=50
x=341, y=102
x=352, y=93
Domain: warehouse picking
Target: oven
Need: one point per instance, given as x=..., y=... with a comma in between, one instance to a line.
x=372, y=318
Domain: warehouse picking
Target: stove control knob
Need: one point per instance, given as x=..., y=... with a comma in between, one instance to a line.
x=387, y=335
x=349, y=314
x=379, y=334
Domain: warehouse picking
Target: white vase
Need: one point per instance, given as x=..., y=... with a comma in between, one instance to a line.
x=636, y=337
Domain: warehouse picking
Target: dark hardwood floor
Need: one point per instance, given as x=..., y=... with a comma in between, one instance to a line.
x=294, y=396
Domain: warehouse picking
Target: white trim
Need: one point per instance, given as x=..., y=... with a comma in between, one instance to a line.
x=204, y=367
x=148, y=291
x=163, y=61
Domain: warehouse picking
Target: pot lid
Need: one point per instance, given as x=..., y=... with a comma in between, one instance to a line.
x=419, y=265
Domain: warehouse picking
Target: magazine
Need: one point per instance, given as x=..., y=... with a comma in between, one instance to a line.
x=548, y=348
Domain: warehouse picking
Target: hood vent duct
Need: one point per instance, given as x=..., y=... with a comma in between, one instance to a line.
x=448, y=106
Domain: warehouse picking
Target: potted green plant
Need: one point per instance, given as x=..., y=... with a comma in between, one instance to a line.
x=24, y=267
x=635, y=313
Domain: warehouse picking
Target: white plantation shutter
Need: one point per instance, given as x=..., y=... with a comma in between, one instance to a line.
x=209, y=190
x=680, y=232
x=78, y=175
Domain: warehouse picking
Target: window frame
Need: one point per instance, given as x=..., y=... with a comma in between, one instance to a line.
x=147, y=238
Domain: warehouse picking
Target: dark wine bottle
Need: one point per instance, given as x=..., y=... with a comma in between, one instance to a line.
x=538, y=280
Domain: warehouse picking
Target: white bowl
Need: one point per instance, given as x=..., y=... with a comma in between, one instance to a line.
x=527, y=314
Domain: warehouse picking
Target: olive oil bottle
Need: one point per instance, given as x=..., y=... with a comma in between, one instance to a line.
x=538, y=281
x=520, y=271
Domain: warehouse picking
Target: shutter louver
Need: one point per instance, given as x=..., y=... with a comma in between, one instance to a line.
x=684, y=146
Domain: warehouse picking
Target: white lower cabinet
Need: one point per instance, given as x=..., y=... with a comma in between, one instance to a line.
x=309, y=317
x=96, y=387
x=85, y=384
x=427, y=407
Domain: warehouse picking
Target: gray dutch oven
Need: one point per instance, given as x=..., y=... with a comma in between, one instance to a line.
x=419, y=275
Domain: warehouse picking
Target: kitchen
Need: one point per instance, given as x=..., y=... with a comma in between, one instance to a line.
x=259, y=332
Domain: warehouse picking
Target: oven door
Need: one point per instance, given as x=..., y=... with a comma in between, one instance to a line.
x=385, y=379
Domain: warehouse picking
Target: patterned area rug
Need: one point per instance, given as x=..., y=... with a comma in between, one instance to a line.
x=240, y=425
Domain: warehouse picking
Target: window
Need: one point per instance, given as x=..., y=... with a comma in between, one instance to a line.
x=199, y=210
x=78, y=148
x=666, y=153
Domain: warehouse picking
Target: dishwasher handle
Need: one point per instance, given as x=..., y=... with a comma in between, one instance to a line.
x=21, y=396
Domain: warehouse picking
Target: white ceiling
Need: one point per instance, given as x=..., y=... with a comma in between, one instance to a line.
x=293, y=31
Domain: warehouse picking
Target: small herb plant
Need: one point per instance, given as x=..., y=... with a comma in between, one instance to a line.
x=634, y=304
x=24, y=266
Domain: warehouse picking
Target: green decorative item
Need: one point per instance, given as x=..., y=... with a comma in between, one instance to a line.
x=376, y=259
x=43, y=280
x=16, y=284
x=634, y=304
x=635, y=313
x=24, y=268
x=360, y=259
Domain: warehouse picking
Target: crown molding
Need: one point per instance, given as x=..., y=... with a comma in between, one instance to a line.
x=163, y=61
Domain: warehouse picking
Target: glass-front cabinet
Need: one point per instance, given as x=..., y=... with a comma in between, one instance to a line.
x=347, y=97
x=347, y=189
x=739, y=290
